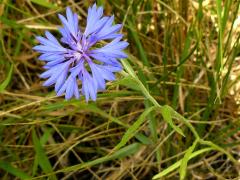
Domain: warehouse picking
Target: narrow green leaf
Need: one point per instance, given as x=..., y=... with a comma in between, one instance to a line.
x=41, y=155
x=166, y=113
x=46, y=135
x=100, y=2
x=183, y=166
x=218, y=148
x=139, y=46
x=127, y=81
x=178, y=163
x=126, y=151
x=128, y=68
x=132, y=130
x=9, y=22
x=144, y=90
x=14, y=171
x=5, y=83
x=35, y=166
x=95, y=109
x=185, y=54
x=143, y=139
x=219, y=58
x=44, y=3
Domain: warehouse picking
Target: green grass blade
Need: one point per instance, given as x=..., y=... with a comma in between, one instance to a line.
x=139, y=46
x=43, y=160
x=218, y=148
x=178, y=163
x=129, y=69
x=44, y=3
x=166, y=113
x=14, y=171
x=128, y=82
x=126, y=151
x=219, y=58
x=5, y=83
x=180, y=71
x=10, y=23
x=183, y=166
x=132, y=130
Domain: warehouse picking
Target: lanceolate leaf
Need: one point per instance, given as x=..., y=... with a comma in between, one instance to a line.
x=133, y=129
x=166, y=113
x=183, y=166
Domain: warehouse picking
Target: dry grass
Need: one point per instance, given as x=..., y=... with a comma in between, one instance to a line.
x=179, y=55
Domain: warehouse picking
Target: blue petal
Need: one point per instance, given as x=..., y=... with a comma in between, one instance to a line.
x=102, y=71
x=106, y=74
x=70, y=87
x=51, y=80
x=54, y=73
x=89, y=88
x=49, y=49
x=51, y=57
x=97, y=76
x=52, y=38
x=108, y=30
x=62, y=89
x=113, y=68
x=113, y=49
x=85, y=88
x=52, y=63
x=76, y=90
x=61, y=79
x=77, y=69
x=48, y=73
x=71, y=23
x=49, y=45
x=66, y=37
x=94, y=21
x=70, y=18
x=106, y=60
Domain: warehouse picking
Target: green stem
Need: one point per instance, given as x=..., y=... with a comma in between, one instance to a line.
x=154, y=102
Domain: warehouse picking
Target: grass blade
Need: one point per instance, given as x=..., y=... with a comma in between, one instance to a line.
x=183, y=166
x=41, y=155
x=126, y=151
x=14, y=171
x=132, y=130
x=166, y=113
x=140, y=48
x=178, y=163
x=44, y=3
x=5, y=83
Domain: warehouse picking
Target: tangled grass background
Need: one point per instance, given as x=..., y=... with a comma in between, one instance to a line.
x=183, y=61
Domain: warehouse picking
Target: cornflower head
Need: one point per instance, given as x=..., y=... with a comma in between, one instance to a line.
x=78, y=57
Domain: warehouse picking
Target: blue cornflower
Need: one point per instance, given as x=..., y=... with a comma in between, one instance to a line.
x=77, y=58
